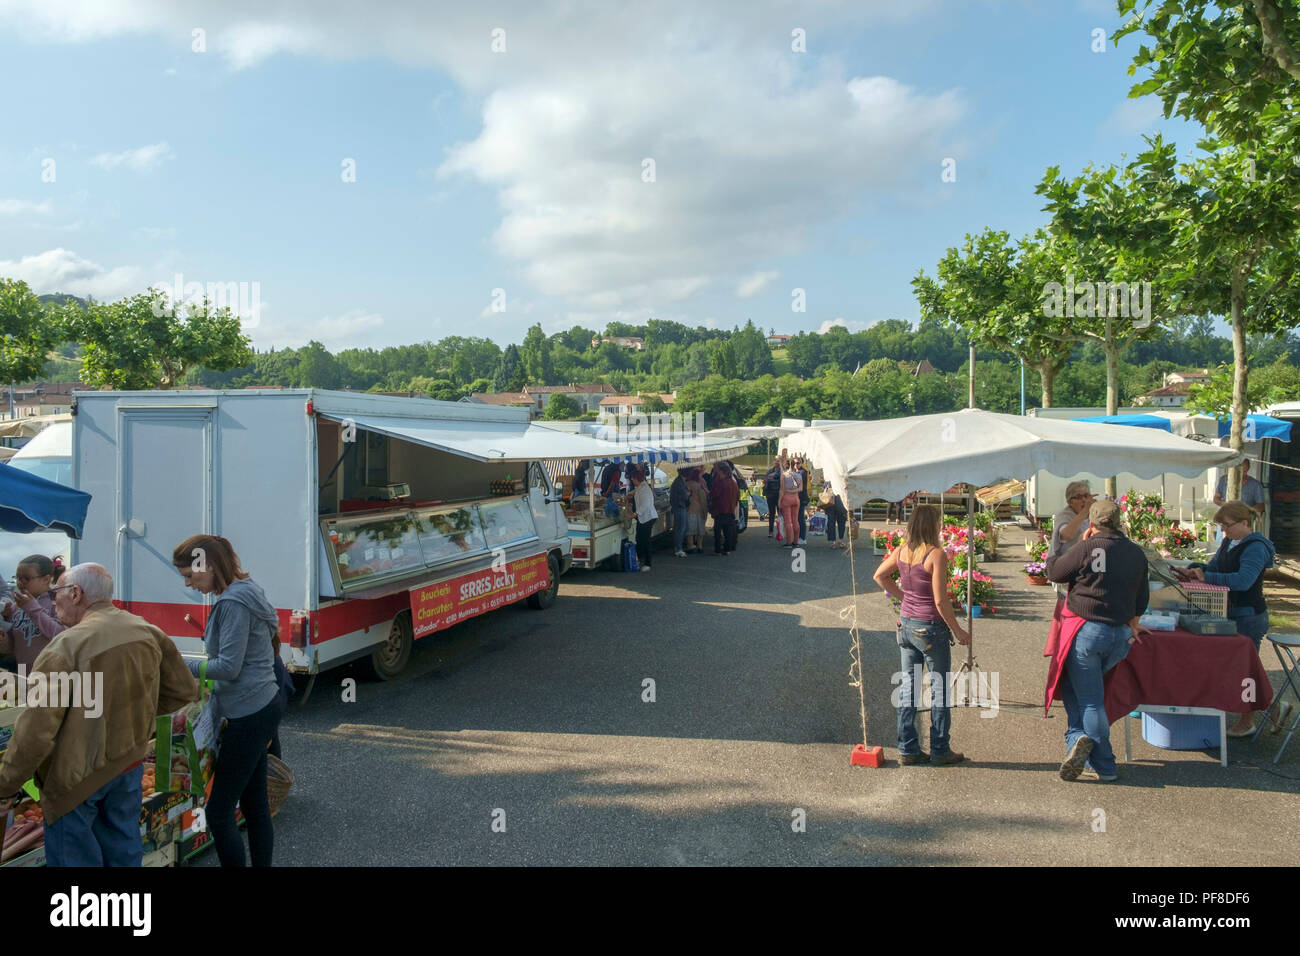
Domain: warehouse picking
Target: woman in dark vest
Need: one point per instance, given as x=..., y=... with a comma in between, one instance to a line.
x=1239, y=565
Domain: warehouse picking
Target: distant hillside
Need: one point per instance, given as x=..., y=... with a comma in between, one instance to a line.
x=62, y=298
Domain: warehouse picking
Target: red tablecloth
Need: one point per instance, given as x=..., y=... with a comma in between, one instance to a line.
x=1187, y=670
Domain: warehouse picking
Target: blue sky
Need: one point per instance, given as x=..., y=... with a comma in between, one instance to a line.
x=522, y=170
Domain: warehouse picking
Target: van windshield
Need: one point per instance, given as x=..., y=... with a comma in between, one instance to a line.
x=55, y=469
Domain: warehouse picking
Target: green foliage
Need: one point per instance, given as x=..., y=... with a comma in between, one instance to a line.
x=561, y=407
x=27, y=332
x=141, y=343
x=1231, y=67
x=1278, y=383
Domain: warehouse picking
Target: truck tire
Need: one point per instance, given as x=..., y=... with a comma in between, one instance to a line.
x=544, y=599
x=391, y=657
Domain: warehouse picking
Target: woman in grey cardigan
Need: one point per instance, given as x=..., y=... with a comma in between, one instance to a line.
x=241, y=639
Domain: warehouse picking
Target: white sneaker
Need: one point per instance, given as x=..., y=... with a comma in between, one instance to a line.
x=802, y=541
x=645, y=567
x=681, y=554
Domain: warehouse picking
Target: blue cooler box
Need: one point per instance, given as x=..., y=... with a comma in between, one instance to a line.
x=1180, y=731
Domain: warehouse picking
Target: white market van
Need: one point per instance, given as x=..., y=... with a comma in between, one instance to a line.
x=370, y=521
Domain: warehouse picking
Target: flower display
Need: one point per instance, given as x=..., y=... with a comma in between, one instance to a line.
x=888, y=538
x=1036, y=568
x=980, y=587
x=1147, y=523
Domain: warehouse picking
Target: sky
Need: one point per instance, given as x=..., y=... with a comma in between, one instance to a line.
x=385, y=173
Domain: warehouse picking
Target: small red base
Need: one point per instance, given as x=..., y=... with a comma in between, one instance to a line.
x=867, y=756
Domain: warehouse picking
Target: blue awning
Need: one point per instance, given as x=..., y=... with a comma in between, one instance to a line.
x=1260, y=426
x=30, y=503
x=1137, y=421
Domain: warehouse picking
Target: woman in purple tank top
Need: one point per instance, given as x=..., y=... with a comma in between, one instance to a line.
x=926, y=621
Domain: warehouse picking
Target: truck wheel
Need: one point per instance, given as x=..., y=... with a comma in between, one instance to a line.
x=544, y=599
x=390, y=658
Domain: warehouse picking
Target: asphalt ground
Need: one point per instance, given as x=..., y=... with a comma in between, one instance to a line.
x=523, y=737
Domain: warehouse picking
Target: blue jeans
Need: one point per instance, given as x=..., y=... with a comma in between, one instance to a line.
x=803, y=520
x=1096, y=649
x=923, y=642
x=679, y=530
x=104, y=830
x=1254, y=626
x=837, y=519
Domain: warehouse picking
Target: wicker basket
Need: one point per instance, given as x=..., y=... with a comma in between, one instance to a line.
x=279, y=778
x=1210, y=598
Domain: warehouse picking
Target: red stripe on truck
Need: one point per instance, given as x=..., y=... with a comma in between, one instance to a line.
x=335, y=620
x=357, y=614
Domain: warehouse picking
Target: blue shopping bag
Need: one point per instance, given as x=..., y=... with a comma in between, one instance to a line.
x=630, y=562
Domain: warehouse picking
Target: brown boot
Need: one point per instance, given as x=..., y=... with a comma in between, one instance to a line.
x=909, y=760
x=948, y=759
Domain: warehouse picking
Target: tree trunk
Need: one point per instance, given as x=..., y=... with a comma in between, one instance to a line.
x=1047, y=373
x=1112, y=392
x=1239, y=370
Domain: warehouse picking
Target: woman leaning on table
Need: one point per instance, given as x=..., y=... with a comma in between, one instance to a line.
x=926, y=620
x=1239, y=565
x=241, y=640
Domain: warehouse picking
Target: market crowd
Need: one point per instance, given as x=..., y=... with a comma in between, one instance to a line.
x=88, y=767
x=718, y=496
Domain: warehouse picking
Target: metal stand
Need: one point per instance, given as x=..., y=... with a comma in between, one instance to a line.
x=970, y=667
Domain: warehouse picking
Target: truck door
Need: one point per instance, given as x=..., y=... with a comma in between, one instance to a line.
x=548, y=517
x=165, y=495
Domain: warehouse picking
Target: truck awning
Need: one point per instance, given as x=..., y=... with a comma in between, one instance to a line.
x=526, y=441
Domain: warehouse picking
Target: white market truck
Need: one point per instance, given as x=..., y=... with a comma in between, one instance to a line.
x=370, y=521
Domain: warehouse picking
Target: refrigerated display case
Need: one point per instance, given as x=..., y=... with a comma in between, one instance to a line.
x=372, y=549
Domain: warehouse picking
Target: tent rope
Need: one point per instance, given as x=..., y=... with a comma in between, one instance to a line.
x=850, y=614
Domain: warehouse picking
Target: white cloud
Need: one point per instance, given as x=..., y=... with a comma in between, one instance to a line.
x=349, y=330
x=756, y=147
x=851, y=326
x=752, y=285
x=139, y=160
x=18, y=207
x=60, y=270
x=1131, y=117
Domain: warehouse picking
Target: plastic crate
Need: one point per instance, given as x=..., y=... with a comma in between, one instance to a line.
x=1210, y=598
x=1180, y=731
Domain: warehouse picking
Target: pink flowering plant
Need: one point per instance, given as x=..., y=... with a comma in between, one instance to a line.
x=1147, y=523
x=888, y=538
x=1036, y=569
x=980, y=587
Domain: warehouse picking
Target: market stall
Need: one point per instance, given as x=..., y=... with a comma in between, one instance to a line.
x=891, y=458
x=599, y=526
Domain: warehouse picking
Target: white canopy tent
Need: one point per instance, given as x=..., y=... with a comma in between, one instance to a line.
x=891, y=458
x=752, y=432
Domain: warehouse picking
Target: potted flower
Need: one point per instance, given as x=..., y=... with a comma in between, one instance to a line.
x=980, y=588
x=886, y=540
x=1037, y=572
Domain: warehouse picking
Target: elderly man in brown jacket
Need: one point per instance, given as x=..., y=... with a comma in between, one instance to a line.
x=105, y=680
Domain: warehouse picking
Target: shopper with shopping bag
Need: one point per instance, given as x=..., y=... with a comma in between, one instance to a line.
x=240, y=637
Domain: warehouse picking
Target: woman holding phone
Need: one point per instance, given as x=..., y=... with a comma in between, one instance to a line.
x=926, y=621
